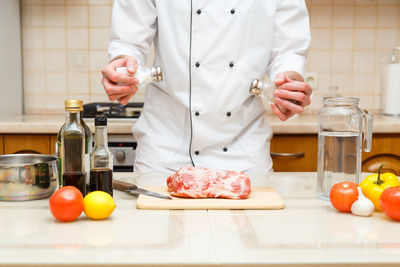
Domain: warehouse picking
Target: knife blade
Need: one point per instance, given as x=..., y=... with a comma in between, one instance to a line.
x=132, y=188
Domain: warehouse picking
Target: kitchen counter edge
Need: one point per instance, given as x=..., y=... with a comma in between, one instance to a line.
x=50, y=124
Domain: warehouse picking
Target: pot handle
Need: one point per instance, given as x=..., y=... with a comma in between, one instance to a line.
x=368, y=120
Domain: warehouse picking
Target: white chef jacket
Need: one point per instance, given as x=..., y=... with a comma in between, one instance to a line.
x=209, y=52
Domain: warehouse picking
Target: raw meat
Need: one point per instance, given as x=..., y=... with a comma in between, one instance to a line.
x=198, y=182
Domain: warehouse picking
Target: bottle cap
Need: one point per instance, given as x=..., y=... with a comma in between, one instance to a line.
x=100, y=120
x=73, y=105
x=255, y=87
x=156, y=74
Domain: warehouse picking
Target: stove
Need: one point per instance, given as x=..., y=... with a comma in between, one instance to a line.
x=123, y=147
x=113, y=110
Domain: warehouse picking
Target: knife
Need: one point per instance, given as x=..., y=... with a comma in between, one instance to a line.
x=132, y=188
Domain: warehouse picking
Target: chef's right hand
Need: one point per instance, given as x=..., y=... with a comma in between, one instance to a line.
x=119, y=86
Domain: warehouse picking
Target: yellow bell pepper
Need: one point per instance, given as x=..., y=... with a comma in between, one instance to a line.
x=373, y=185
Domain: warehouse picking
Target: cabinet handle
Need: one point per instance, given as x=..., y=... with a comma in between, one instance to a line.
x=26, y=151
x=297, y=155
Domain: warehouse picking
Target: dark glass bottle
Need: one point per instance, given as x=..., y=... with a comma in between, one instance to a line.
x=59, y=160
x=73, y=148
x=88, y=147
x=101, y=159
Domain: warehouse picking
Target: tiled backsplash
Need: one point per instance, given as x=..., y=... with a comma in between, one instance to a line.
x=351, y=43
x=65, y=46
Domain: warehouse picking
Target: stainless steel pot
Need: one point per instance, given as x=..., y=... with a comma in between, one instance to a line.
x=27, y=176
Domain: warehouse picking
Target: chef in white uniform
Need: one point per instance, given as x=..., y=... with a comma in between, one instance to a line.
x=210, y=51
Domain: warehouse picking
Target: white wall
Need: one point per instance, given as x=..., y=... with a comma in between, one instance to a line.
x=11, y=101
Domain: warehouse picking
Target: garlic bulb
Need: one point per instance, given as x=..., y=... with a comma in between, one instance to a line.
x=362, y=206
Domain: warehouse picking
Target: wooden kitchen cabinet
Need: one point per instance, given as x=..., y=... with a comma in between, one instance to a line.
x=53, y=141
x=385, y=150
x=294, y=153
x=1, y=144
x=26, y=143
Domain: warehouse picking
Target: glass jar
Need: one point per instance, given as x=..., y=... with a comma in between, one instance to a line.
x=343, y=131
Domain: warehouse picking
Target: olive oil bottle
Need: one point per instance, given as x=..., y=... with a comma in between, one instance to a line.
x=101, y=159
x=73, y=148
x=88, y=147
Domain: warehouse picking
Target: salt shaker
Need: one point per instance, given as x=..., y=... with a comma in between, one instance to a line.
x=263, y=89
x=144, y=75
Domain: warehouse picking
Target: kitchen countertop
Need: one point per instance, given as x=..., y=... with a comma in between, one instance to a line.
x=308, y=231
x=304, y=124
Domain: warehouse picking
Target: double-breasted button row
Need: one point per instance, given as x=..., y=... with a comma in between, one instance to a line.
x=197, y=64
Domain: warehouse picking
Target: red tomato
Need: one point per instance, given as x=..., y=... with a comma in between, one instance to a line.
x=343, y=195
x=66, y=204
x=390, y=202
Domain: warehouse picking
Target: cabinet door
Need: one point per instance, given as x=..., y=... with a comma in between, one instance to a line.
x=294, y=153
x=385, y=151
x=21, y=143
x=383, y=144
x=53, y=141
x=1, y=145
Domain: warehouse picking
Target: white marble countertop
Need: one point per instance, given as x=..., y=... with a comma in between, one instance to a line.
x=308, y=231
x=304, y=124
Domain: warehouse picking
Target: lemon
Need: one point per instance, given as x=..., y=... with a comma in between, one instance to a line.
x=98, y=205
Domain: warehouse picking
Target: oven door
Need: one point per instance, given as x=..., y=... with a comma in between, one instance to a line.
x=123, y=148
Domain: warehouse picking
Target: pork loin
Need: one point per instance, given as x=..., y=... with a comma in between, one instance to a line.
x=199, y=182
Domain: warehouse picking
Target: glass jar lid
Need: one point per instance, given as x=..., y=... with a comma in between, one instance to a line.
x=341, y=101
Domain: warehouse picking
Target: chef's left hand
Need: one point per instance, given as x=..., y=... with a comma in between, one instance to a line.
x=291, y=96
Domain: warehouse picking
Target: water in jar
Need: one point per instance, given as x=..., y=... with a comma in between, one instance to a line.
x=337, y=159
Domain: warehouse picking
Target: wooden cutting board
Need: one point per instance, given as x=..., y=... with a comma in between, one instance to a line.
x=261, y=198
